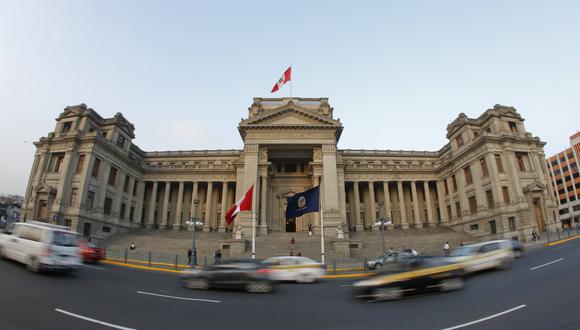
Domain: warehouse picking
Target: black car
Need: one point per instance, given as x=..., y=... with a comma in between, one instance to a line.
x=248, y=274
x=411, y=276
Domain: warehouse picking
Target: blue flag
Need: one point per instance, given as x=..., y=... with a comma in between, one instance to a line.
x=302, y=203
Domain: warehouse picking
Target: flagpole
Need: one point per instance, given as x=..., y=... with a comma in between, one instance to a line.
x=321, y=230
x=255, y=201
x=291, y=80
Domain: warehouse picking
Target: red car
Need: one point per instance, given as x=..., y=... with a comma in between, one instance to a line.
x=90, y=252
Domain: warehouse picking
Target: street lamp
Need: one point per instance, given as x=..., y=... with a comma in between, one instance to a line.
x=383, y=223
x=194, y=223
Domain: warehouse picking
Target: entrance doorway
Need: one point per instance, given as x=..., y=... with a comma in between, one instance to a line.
x=291, y=225
x=87, y=229
x=538, y=213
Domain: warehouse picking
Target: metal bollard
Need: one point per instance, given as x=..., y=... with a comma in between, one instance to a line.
x=548, y=235
x=334, y=265
x=149, y=258
x=126, y=255
x=558, y=232
x=176, y=262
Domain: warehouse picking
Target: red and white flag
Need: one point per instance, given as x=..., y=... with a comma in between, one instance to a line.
x=284, y=79
x=244, y=204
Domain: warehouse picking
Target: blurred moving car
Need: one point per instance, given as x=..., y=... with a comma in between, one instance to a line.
x=411, y=276
x=41, y=246
x=248, y=274
x=389, y=258
x=486, y=255
x=91, y=252
x=298, y=269
x=518, y=248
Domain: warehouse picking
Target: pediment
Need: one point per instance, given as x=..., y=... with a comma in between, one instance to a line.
x=290, y=116
x=535, y=186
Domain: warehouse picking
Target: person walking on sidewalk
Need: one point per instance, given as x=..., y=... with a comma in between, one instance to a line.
x=217, y=256
x=446, y=249
x=189, y=254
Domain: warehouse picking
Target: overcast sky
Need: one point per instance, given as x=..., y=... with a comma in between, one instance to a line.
x=184, y=73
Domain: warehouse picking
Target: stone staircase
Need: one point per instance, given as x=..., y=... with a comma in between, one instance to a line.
x=165, y=245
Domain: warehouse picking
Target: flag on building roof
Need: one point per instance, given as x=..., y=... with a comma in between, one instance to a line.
x=302, y=203
x=244, y=204
x=284, y=79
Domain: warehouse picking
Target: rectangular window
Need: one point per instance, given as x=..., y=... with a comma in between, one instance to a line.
x=126, y=184
x=513, y=126
x=66, y=127
x=474, y=227
x=90, y=199
x=108, y=205
x=132, y=213
x=458, y=209
x=483, y=164
x=449, y=211
x=506, y=195
x=135, y=188
x=122, y=215
x=489, y=197
x=492, y=227
x=73, y=196
x=106, y=229
x=472, y=205
x=520, y=161
x=512, y=223
x=459, y=140
x=58, y=160
x=454, y=182
x=467, y=173
x=80, y=164
x=499, y=163
x=112, y=176
x=290, y=168
x=96, y=166
x=121, y=141
x=445, y=187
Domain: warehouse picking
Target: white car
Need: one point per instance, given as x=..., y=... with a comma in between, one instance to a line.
x=298, y=269
x=41, y=246
x=486, y=255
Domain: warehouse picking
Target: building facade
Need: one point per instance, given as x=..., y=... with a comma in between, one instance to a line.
x=490, y=180
x=566, y=182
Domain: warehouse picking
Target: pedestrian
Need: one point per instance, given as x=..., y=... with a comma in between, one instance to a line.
x=132, y=246
x=446, y=249
x=189, y=254
x=292, y=243
x=217, y=256
x=291, y=253
x=309, y=229
x=195, y=256
x=534, y=235
x=299, y=254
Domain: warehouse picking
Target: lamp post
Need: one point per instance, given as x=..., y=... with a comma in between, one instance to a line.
x=194, y=222
x=383, y=222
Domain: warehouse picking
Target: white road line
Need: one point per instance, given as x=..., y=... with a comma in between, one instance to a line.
x=95, y=267
x=546, y=264
x=485, y=318
x=180, y=298
x=92, y=320
x=560, y=247
x=345, y=285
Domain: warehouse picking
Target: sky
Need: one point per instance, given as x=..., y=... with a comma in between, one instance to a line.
x=185, y=72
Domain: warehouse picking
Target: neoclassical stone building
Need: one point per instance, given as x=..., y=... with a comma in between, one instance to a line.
x=490, y=180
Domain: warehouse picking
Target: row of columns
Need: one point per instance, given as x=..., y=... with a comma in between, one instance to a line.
x=401, y=202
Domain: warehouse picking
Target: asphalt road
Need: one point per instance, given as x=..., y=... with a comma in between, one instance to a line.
x=110, y=294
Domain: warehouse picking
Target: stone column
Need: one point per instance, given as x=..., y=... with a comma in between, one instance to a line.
x=152, y=201
x=140, y=201
x=178, y=208
x=105, y=168
x=224, y=204
x=417, y=218
x=357, y=221
x=430, y=217
x=514, y=175
x=404, y=223
x=453, y=214
x=476, y=175
x=193, y=199
x=494, y=179
x=330, y=185
x=208, y=207
x=387, y=199
x=373, y=207
x=441, y=200
x=118, y=194
x=316, y=215
x=165, y=207
x=61, y=200
x=263, y=226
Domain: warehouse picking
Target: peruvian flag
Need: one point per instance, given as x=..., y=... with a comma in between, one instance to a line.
x=284, y=79
x=244, y=204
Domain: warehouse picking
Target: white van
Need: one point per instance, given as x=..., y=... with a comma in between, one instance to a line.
x=41, y=246
x=485, y=255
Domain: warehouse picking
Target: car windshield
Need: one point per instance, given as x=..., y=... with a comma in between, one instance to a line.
x=463, y=251
x=62, y=238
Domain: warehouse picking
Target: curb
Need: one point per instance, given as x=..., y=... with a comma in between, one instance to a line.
x=165, y=270
x=562, y=241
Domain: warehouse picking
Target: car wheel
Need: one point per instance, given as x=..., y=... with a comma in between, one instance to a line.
x=306, y=278
x=259, y=287
x=390, y=293
x=518, y=254
x=197, y=283
x=378, y=265
x=34, y=265
x=505, y=264
x=451, y=284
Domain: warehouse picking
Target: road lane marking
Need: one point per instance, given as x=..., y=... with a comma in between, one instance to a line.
x=95, y=267
x=560, y=247
x=179, y=298
x=546, y=264
x=92, y=320
x=485, y=318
